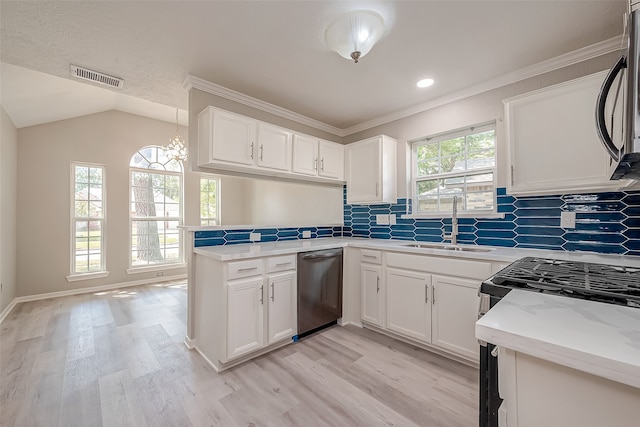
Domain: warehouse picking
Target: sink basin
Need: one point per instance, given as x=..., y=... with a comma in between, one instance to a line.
x=459, y=248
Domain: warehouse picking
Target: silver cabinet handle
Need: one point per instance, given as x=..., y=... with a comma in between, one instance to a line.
x=433, y=294
x=377, y=188
x=369, y=256
x=242, y=270
x=252, y=150
x=261, y=294
x=273, y=292
x=282, y=264
x=315, y=164
x=322, y=164
x=261, y=149
x=378, y=284
x=426, y=294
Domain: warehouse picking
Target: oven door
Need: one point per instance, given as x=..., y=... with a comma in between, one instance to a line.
x=489, y=397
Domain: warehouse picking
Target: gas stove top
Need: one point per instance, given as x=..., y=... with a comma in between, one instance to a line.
x=599, y=282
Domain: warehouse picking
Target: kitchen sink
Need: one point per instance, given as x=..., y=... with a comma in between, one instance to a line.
x=443, y=246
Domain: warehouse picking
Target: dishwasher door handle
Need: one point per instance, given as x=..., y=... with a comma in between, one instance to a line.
x=322, y=255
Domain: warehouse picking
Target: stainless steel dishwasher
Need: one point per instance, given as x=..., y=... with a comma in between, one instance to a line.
x=319, y=290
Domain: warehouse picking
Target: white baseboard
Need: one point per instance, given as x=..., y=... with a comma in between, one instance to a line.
x=92, y=289
x=190, y=343
x=206, y=359
x=8, y=309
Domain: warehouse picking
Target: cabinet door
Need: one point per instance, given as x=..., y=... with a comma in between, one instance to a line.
x=274, y=147
x=455, y=312
x=282, y=318
x=553, y=144
x=370, y=287
x=331, y=157
x=305, y=155
x=245, y=314
x=363, y=171
x=408, y=303
x=233, y=138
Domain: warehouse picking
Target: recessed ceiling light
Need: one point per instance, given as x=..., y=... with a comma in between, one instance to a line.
x=424, y=83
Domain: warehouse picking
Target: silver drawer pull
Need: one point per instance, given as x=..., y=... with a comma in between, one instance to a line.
x=369, y=256
x=242, y=270
x=282, y=264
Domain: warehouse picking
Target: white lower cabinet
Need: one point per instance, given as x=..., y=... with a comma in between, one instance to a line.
x=282, y=322
x=370, y=285
x=455, y=312
x=422, y=302
x=244, y=308
x=245, y=316
x=409, y=303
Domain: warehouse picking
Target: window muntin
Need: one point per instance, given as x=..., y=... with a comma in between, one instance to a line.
x=460, y=164
x=88, y=207
x=209, y=200
x=155, y=208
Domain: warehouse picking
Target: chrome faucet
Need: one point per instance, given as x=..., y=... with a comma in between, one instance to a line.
x=454, y=224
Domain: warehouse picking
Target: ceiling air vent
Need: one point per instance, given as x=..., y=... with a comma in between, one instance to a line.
x=96, y=77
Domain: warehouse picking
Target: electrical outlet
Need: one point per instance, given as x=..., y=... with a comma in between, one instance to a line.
x=306, y=234
x=568, y=220
x=160, y=273
x=392, y=219
x=382, y=219
x=255, y=237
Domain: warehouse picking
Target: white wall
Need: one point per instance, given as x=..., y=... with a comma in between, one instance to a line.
x=8, y=207
x=45, y=153
x=477, y=109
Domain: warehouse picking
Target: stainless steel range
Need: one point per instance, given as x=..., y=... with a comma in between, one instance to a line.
x=605, y=283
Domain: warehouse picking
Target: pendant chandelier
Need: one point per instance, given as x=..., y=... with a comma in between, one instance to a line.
x=177, y=148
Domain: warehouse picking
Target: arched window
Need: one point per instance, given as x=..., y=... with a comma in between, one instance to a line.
x=155, y=209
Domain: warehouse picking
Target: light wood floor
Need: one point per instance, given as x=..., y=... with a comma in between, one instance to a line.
x=117, y=359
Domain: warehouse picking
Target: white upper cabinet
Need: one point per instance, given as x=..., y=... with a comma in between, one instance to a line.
x=552, y=140
x=274, y=147
x=371, y=171
x=331, y=157
x=225, y=137
x=305, y=155
x=232, y=142
x=316, y=157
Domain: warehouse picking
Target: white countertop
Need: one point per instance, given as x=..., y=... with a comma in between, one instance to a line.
x=598, y=338
x=498, y=254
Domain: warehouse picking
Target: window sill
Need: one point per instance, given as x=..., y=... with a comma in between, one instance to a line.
x=87, y=276
x=160, y=267
x=483, y=215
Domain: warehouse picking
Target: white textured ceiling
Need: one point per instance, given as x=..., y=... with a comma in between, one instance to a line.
x=274, y=51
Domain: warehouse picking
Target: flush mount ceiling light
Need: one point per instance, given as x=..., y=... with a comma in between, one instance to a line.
x=176, y=149
x=424, y=83
x=354, y=34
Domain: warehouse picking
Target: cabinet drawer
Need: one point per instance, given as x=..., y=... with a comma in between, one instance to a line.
x=281, y=263
x=238, y=269
x=372, y=257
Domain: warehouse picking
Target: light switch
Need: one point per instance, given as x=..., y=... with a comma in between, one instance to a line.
x=568, y=219
x=392, y=219
x=382, y=219
x=306, y=234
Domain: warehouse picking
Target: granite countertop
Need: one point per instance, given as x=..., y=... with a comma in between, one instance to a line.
x=597, y=338
x=496, y=254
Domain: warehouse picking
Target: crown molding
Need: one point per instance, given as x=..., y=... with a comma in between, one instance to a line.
x=565, y=60
x=214, y=89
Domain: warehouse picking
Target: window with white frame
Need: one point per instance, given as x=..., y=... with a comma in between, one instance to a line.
x=88, y=209
x=209, y=200
x=459, y=164
x=155, y=208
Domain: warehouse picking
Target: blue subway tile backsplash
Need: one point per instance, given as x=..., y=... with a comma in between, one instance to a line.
x=605, y=223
